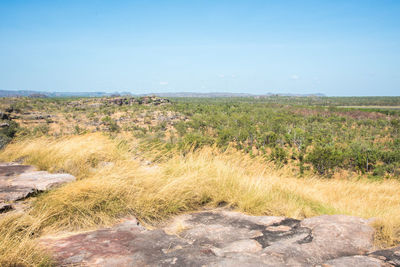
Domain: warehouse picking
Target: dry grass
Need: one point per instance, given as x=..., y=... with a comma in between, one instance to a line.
x=77, y=155
x=17, y=242
x=201, y=178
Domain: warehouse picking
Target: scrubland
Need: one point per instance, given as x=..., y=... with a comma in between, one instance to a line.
x=115, y=181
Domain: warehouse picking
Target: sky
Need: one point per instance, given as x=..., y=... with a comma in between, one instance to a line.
x=339, y=48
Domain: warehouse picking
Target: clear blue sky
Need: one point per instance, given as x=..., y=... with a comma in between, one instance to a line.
x=332, y=47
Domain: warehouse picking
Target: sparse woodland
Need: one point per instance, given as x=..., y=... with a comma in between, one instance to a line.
x=153, y=158
x=327, y=136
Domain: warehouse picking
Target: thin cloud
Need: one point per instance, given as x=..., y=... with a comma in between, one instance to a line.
x=295, y=77
x=163, y=83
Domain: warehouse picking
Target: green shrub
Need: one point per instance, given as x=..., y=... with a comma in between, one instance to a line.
x=325, y=158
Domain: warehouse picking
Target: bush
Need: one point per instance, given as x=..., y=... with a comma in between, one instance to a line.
x=7, y=133
x=325, y=158
x=279, y=155
x=110, y=124
x=42, y=129
x=363, y=157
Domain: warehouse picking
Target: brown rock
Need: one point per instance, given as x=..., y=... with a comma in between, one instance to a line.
x=246, y=245
x=18, y=182
x=222, y=238
x=354, y=261
x=332, y=237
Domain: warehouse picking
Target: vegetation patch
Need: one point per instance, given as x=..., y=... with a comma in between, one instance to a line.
x=297, y=157
x=182, y=183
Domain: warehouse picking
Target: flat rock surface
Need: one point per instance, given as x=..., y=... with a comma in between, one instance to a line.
x=18, y=182
x=225, y=238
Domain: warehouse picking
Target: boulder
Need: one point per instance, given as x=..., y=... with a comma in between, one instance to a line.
x=18, y=182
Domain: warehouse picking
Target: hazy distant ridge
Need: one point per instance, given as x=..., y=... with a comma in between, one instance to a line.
x=16, y=93
x=226, y=94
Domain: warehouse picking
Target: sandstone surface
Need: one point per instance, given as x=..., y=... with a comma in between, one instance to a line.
x=225, y=238
x=17, y=182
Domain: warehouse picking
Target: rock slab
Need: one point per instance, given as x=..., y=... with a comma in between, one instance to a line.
x=225, y=238
x=18, y=182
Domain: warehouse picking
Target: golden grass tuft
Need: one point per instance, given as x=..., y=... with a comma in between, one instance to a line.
x=17, y=242
x=76, y=155
x=205, y=177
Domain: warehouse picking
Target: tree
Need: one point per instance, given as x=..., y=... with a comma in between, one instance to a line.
x=324, y=158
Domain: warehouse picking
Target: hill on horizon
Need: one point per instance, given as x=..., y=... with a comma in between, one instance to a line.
x=32, y=93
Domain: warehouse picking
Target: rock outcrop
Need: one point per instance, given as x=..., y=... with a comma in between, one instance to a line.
x=146, y=100
x=18, y=182
x=224, y=238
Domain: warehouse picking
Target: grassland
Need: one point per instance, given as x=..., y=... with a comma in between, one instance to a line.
x=148, y=167
x=313, y=135
x=204, y=178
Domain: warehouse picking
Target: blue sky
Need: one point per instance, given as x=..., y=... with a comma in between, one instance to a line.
x=332, y=47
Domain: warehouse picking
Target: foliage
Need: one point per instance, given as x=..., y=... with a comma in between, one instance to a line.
x=111, y=124
x=358, y=134
x=325, y=158
x=7, y=132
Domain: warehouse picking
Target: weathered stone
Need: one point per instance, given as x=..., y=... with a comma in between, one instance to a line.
x=222, y=238
x=246, y=245
x=354, y=261
x=41, y=180
x=390, y=256
x=18, y=182
x=4, y=207
x=11, y=169
x=281, y=228
x=332, y=237
x=9, y=193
